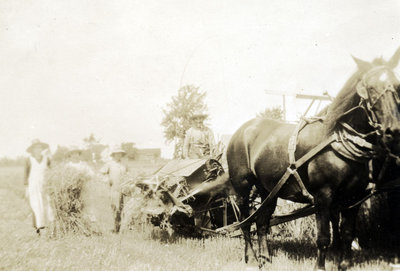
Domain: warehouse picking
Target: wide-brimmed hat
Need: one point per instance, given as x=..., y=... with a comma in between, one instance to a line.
x=36, y=143
x=117, y=149
x=198, y=115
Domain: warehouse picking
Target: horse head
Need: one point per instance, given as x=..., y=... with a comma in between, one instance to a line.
x=378, y=89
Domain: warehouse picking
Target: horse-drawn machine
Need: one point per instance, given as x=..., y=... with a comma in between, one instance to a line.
x=202, y=200
x=323, y=162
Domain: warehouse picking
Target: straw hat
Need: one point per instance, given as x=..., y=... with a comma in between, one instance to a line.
x=117, y=149
x=198, y=115
x=36, y=143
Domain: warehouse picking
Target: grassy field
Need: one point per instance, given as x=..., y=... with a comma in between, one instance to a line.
x=22, y=249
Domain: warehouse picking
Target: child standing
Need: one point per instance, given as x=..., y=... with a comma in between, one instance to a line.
x=115, y=170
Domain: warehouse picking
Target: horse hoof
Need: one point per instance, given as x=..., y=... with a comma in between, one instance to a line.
x=344, y=265
x=263, y=260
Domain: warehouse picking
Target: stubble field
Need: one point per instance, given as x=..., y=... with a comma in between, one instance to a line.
x=22, y=249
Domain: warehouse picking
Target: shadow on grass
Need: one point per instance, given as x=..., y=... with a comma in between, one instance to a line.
x=295, y=249
x=302, y=250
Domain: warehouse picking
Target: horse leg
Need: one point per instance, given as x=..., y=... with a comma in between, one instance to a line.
x=262, y=222
x=243, y=188
x=244, y=210
x=347, y=230
x=336, y=242
x=323, y=229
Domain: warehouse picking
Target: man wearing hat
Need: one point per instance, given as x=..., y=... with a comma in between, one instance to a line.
x=199, y=139
x=115, y=170
x=35, y=170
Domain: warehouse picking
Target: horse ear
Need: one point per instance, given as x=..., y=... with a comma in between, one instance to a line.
x=362, y=65
x=392, y=63
x=361, y=90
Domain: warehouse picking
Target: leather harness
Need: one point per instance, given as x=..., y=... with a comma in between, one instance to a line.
x=346, y=141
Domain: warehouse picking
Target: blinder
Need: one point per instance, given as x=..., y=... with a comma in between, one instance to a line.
x=371, y=95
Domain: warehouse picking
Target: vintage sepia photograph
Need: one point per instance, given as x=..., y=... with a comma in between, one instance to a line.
x=200, y=135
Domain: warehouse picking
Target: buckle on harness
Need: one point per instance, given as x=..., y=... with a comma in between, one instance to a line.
x=359, y=141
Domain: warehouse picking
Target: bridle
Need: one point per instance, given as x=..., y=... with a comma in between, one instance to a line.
x=368, y=103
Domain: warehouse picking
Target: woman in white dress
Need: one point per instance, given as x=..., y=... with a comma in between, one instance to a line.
x=35, y=170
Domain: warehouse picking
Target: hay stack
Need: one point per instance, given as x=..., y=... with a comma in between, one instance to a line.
x=146, y=201
x=65, y=185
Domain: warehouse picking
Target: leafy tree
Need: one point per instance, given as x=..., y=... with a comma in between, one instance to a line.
x=177, y=115
x=275, y=113
x=91, y=140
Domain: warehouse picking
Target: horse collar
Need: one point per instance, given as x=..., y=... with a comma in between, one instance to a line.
x=353, y=145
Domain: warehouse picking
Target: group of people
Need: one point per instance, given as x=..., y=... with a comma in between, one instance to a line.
x=198, y=143
x=39, y=162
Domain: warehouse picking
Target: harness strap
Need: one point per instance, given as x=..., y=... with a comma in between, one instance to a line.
x=272, y=195
x=353, y=145
x=315, y=150
x=293, y=141
x=292, y=158
x=390, y=186
x=370, y=193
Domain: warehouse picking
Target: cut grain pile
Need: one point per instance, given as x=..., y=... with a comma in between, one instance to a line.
x=65, y=185
x=81, y=203
x=301, y=229
x=153, y=200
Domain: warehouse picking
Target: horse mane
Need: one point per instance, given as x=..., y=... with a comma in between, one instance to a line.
x=347, y=97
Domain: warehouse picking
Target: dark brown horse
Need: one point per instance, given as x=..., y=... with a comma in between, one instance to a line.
x=257, y=155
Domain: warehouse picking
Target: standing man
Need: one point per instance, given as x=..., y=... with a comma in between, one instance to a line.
x=35, y=170
x=199, y=139
x=115, y=170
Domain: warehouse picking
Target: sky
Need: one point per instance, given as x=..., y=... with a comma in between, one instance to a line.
x=76, y=67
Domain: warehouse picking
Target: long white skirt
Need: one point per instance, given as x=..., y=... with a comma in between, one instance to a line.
x=40, y=204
